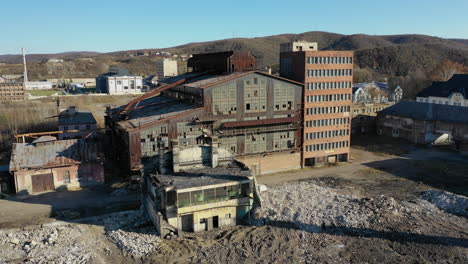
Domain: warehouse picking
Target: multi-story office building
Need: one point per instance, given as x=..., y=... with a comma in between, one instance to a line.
x=327, y=78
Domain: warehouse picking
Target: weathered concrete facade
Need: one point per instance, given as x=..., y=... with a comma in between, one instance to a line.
x=199, y=200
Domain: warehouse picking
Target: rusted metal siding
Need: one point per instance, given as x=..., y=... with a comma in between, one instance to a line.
x=134, y=143
x=223, y=62
x=242, y=61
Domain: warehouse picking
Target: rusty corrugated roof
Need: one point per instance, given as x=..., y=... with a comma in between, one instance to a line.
x=54, y=154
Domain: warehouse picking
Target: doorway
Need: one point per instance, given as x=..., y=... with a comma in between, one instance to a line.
x=187, y=223
x=42, y=182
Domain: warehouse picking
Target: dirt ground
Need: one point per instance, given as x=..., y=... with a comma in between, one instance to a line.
x=370, y=210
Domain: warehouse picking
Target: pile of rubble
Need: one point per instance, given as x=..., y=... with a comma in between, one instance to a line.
x=132, y=232
x=449, y=202
x=310, y=207
x=61, y=244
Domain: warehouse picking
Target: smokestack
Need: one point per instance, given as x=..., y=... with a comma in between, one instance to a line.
x=25, y=69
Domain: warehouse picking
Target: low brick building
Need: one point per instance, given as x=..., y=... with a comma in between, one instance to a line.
x=47, y=164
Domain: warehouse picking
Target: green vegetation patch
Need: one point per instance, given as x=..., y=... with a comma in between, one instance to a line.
x=44, y=92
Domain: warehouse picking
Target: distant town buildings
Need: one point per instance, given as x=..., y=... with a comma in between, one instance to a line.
x=166, y=68
x=71, y=119
x=425, y=123
x=48, y=164
x=327, y=77
x=119, y=81
x=376, y=92
x=11, y=91
x=451, y=92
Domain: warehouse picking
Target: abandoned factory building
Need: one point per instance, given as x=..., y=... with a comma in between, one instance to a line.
x=199, y=199
x=47, y=164
x=251, y=116
x=425, y=123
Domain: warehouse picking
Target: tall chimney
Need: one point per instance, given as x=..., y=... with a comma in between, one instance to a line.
x=25, y=69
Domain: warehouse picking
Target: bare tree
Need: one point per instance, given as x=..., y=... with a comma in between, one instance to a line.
x=446, y=69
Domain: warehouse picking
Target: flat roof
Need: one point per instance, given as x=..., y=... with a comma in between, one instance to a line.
x=193, y=178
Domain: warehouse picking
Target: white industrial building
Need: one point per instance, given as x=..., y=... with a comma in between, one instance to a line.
x=39, y=85
x=119, y=81
x=124, y=84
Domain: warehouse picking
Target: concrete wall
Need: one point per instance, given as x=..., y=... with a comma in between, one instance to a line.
x=80, y=175
x=227, y=211
x=275, y=162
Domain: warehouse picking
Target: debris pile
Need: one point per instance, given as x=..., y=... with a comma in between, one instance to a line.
x=60, y=244
x=132, y=232
x=449, y=202
x=311, y=208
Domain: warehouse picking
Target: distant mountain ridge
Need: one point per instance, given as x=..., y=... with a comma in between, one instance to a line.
x=387, y=54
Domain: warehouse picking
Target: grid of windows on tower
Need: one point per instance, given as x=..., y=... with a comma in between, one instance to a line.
x=327, y=110
x=327, y=85
x=327, y=98
x=327, y=122
x=329, y=73
x=329, y=60
x=326, y=146
x=327, y=134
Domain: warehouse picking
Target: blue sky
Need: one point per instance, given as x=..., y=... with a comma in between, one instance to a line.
x=50, y=26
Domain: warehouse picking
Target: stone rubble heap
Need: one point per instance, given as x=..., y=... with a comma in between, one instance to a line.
x=61, y=244
x=312, y=208
x=449, y=202
x=71, y=242
x=132, y=233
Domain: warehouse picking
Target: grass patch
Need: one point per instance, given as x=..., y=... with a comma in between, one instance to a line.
x=369, y=171
x=45, y=92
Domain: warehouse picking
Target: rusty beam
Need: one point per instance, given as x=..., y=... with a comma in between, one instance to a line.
x=260, y=122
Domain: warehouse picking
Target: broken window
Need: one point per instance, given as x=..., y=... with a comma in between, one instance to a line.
x=247, y=106
x=171, y=198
